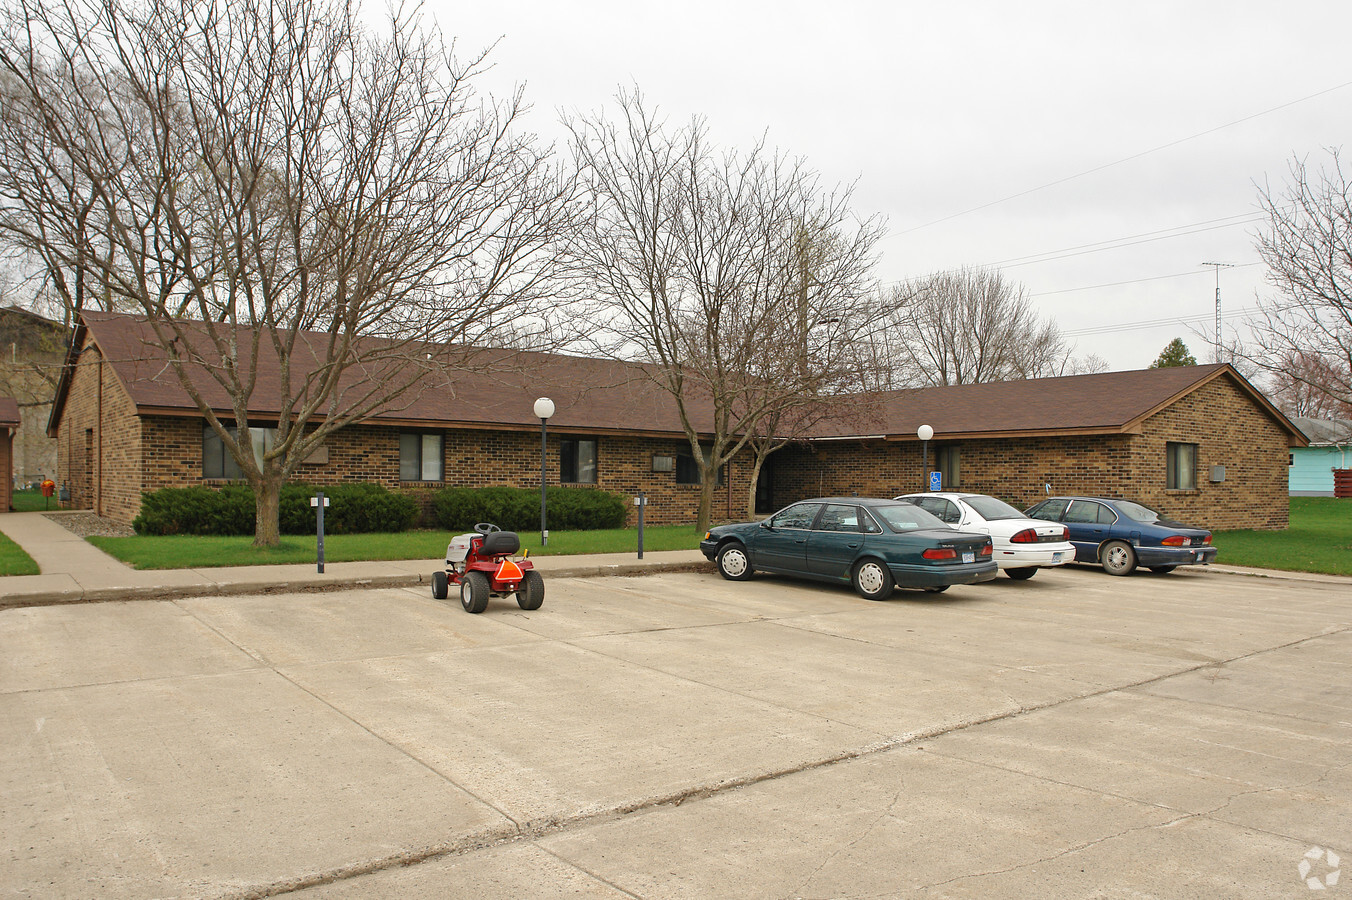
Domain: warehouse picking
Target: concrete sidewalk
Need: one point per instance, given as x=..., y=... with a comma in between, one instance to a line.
x=75, y=571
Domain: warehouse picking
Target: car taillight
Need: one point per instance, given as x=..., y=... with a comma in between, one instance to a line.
x=1027, y=536
x=940, y=553
x=988, y=549
x=1207, y=539
x=1177, y=540
x=1065, y=534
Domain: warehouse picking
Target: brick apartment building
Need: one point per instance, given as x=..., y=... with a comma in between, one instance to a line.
x=1199, y=442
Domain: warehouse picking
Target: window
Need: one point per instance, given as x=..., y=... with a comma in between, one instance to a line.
x=839, y=518
x=800, y=515
x=938, y=506
x=1181, y=466
x=946, y=461
x=1051, y=510
x=577, y=461
x=1087, y=512
x=420, y=456
x=217, y=461
x=687, y=470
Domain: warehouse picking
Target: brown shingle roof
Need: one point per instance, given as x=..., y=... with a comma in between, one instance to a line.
x=500, y=389
x=598, y=395
x=1104, y=403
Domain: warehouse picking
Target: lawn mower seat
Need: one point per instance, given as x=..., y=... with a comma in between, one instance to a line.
x=500, y=543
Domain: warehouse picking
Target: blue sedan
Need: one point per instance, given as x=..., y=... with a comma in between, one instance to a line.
x=1121, y=535
x=873, y=544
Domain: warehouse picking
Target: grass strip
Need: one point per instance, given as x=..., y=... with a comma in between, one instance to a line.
x=1319, y=539
x=196, y=552
x=13, y=561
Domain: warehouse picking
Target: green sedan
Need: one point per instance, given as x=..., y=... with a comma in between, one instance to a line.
x=875, y=545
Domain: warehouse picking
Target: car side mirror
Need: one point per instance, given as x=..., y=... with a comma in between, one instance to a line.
x=766, y=525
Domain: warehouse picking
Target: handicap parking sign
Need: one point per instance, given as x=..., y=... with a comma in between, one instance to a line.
x=936, y=481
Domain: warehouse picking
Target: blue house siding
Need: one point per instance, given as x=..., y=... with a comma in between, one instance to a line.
x=1311, y=472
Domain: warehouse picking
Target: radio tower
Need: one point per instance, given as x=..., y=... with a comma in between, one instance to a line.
x=1216, y=341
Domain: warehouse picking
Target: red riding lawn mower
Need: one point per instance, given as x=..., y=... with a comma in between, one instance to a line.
x=482, y=564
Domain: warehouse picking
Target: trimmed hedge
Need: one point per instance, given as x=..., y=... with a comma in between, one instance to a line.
x=518, y=509
x=355, y=508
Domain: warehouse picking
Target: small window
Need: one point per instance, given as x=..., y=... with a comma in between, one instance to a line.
x=946, y=461
x=217, y=461
x=687, y=470
x=837, y=517
x=577, y=461
x=420, y=456
x=1087, y=512
x=1051, y=510
x=1181, y=466
x=800, y=515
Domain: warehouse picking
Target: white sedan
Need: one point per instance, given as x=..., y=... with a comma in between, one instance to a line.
x=1022, y=545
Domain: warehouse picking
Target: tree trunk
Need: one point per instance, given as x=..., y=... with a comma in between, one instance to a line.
x=708, y=481
x=267, y=512
x=757, y=462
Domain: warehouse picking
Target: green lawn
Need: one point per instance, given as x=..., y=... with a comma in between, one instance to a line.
x=1319, y=540
x=33, y=501
x=183, y=552
x=13, y=561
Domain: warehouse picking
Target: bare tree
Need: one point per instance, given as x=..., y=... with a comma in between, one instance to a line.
x=1296, y=388
x=1304, y=336
x=726, y=272
x=249, y=175
x=968, y=326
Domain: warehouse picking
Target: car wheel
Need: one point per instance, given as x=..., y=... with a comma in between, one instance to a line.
x=474, y=592
x=532, y=593
x=733, y=563
x=1022, y=574
x=872, y=580
x=1162, y=570
x=1118, y=559
x=440, y=585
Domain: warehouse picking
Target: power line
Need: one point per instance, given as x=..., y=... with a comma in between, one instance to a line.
x=1245, y=313
x=1091, y=287
x=1127, y=159
x=1128, y=241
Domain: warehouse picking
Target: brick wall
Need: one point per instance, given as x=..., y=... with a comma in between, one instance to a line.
x=472, y=458
x=1229, y=431
x=99, y=444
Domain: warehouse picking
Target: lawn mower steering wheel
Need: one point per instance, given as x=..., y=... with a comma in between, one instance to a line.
x=486, y=528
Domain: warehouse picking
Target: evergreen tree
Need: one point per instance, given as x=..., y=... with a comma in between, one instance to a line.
x=1175, y=353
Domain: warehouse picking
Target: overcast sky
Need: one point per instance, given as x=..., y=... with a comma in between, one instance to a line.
x=960, y=123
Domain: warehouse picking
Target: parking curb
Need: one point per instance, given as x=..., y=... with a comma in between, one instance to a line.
x=318, y=584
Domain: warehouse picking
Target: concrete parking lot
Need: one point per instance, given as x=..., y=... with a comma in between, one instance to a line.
x=677, y=736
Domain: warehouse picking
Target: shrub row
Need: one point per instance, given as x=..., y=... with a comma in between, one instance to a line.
x=518, y=509
x=360, y=508
x=353, y=509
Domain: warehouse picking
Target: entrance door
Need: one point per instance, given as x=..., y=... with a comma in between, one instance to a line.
x=765, y=487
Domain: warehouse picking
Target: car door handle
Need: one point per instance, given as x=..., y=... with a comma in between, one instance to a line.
x=853, y=546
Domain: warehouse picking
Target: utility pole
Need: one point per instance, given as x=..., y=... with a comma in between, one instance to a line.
x=1216, y=341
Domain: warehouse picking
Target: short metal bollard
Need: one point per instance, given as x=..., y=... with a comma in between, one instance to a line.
x=640, y=501
x=319, y=501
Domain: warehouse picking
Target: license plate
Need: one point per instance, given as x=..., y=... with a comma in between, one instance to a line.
x=1058, y=556
x=969, y=557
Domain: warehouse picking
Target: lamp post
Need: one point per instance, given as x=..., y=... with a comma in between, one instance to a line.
x=924, y=432
x=544, y=408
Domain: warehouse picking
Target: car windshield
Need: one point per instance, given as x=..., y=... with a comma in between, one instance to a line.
x=1137, y=513
x=992, y=509
x=906, y=517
